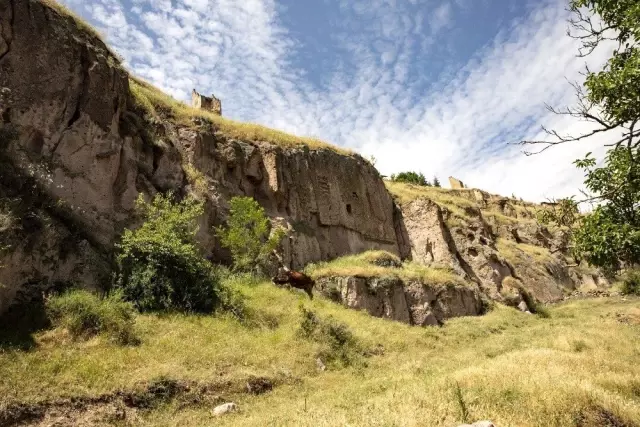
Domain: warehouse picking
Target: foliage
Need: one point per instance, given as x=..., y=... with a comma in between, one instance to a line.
x=85, y=314
x=436, y=182
x=616, y=88
x=631, y=283
x=338, y=345
x=247, y=234
x=160, y=267
x=609, y=236
x=563, y=212
x=411, y=178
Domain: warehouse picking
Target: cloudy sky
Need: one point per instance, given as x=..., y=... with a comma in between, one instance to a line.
x=437, y=86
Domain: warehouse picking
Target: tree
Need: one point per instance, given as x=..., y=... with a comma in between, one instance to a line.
x=612, y=98
x=436, y=182
x=562, y=212
x=411, y=178
x=159, y=264
x=609, y=236
x=247, y=234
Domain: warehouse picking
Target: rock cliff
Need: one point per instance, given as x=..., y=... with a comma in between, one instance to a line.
x=74, y=138
x=78, y=145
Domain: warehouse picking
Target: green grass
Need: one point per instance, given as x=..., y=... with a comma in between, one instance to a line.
x=522, y=253
x=364, y=265
x=513, y=368
x=158, y=104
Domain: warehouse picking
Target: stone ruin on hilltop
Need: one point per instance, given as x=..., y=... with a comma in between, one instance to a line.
x=212, y=103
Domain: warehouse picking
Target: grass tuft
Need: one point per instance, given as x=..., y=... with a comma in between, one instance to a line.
x=84, y=315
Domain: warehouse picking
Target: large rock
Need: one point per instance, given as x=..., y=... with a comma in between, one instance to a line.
x=413, y=302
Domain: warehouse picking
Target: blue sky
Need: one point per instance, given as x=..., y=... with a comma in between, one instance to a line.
x=437, y=86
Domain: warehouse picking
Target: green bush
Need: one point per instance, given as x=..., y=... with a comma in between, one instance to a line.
x=160, y=266
x=247, y=235
x=338, y=344
x=85, y=314
x=631, y=283
x=411, y=178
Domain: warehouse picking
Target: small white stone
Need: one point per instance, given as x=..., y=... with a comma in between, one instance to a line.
x=225, y=408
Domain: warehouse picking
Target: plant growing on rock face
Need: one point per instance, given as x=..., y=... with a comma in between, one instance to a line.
x=160, y=267
x=248, y=234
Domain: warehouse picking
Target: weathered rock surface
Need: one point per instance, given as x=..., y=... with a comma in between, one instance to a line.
x=75, y=153
x=69, y=128
x=412, y=302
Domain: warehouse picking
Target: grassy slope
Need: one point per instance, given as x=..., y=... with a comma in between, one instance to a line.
x=362, y=265
x=456, y=204
x=156, y=103
x=513, y=368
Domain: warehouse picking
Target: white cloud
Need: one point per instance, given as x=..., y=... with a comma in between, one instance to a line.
x=241, y=52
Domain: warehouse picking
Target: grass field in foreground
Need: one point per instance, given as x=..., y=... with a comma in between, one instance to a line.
x=576, y=368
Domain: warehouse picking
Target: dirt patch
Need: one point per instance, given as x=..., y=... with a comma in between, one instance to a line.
x=124, y=407
x=597, y=416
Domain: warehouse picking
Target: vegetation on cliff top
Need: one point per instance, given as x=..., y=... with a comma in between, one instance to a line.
x=158, y=105
x=381, y=264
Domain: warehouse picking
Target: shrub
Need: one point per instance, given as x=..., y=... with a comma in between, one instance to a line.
x=160, y=267
x=85, y=314
x=411, y=178
x=247, y=234
x=338, y=345
x=631, y=283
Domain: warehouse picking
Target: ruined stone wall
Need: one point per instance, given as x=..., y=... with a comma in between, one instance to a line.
x=212, y=103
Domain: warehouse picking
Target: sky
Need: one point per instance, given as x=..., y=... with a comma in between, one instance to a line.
x=442, y=87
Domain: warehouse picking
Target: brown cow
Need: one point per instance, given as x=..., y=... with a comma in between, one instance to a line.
x=295, y=279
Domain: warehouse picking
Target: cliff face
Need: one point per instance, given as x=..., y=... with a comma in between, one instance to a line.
x=71, y=139
x=76, y=150
x=487, y=239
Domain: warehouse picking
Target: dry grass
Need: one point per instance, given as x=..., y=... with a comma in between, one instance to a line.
x=406, y=193
x=158, y=104
x=365, y=265
x=196, y=179
x=522, y=253
x=510, y=367
x=455, y=201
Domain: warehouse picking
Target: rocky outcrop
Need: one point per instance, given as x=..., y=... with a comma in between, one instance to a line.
x=410, y=302
x=76, y=150
x=496, y=239
x=70, y=129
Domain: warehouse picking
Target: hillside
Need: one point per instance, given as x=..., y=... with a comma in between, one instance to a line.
x=433, y=306
x=80, y=145
x=576, y=368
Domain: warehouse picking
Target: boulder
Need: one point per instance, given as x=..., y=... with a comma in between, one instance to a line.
x=225, y=408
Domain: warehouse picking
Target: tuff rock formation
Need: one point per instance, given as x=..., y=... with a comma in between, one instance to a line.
x=409, y=302
x=76, y=151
